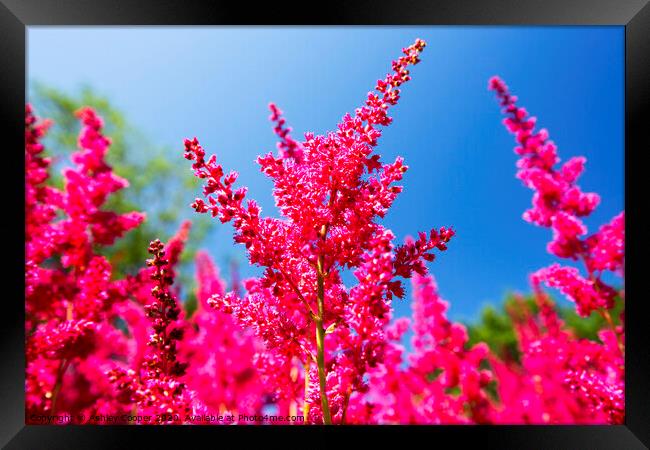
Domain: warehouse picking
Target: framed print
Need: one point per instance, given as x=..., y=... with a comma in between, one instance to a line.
x=382, y=219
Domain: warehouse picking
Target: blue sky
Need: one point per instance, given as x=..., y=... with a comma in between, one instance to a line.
x=215, y=83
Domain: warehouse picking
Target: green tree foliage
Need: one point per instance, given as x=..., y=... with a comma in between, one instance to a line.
x=156, y=186
x=495, y=329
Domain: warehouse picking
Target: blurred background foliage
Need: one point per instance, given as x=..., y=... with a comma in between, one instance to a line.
x=156, y=186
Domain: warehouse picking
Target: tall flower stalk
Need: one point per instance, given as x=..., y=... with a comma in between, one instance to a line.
x=330, y=189
x=559, y=204
x=155, y=387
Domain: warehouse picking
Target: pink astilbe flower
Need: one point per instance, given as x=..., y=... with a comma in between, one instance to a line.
x=554, y=365
x=288, y=147
x=155, y=387
x=40, y=208
x=595, y=372
x=69, y=290
x=605, y=392
x=559, y=203
x=222, y=354
x=87, y=189
x=330, y=190
x=555, y=190
x=588, y=295
x=138, y=326
x=607, y=247
x=440, y=382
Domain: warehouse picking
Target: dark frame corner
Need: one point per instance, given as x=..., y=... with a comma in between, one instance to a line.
x=634, y=15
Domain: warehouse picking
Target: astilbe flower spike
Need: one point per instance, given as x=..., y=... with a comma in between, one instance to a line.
x=222, y=371
x=330, y=190
x=559, y=203
x=218, y=375
x=155, y=387
x=69, y=290
x=440, y=382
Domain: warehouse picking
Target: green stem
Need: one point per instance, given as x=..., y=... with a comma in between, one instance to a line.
x=59, y=382
x=320, y=343
x=608, y=318
x=305, y=405
x=346, y=400
x=320, y=359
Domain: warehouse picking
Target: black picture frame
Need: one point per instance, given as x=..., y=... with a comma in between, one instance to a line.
x=16, y=15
